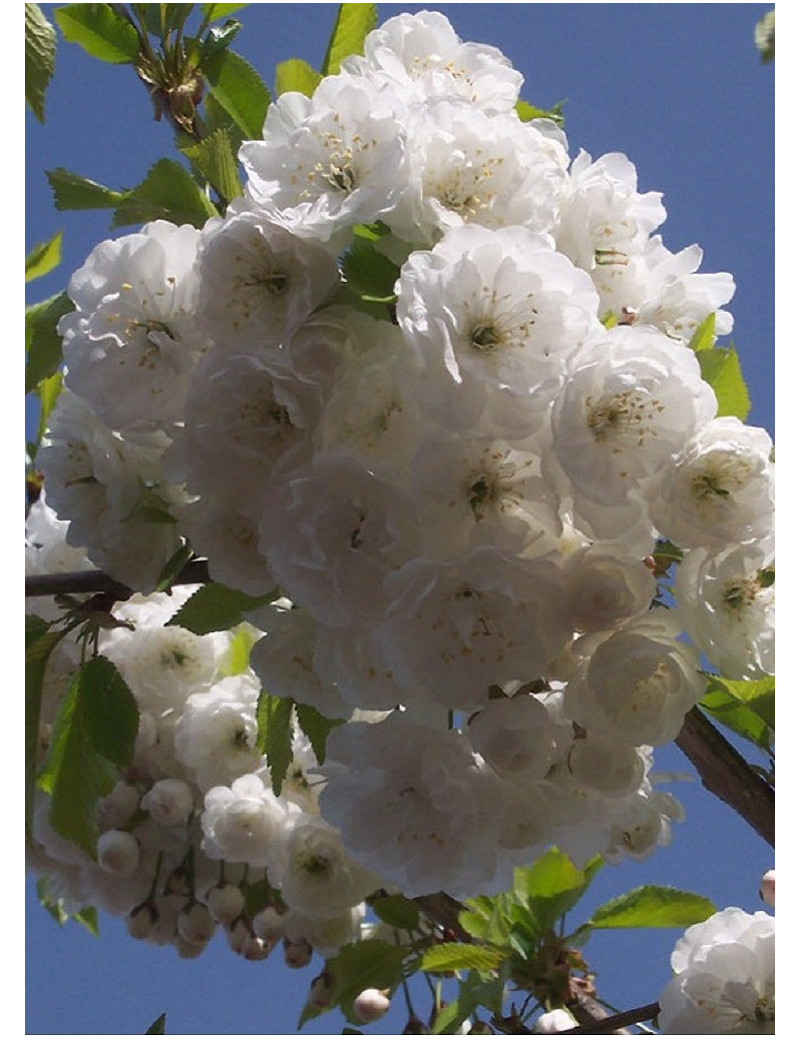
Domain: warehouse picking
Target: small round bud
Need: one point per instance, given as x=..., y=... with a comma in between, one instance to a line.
x=268, y=925
x=188, y=950
x=117, y=807
x=767, y=889
x=226, y=903
x=118, y=853
x=370, y=1005
x=554, y=1021
x=195, y=923
x=297, y=954
x=141, y=921
x=169, y=802
x=319, y=995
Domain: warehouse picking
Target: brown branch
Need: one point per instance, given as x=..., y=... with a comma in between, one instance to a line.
x=726, y=774
x=614, y=1023
x=443, y=910
x=194, y=573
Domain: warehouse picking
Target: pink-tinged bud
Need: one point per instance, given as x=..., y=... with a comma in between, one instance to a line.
x=187, y=951
x=141, y=921
x=226, y=903
x=169, y=802
x=195, y=924
x=254, y=949
x=118, y=853
x=297, y=954
x=767, y=889
x=268, y=925
x=370, y=1005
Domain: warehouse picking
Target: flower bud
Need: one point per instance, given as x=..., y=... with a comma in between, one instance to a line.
x=297, y=954
x=118, y=853
x=226, y=902
x=767, y=889
x=195, y=923
x=370, y=1005
x=169, y=801
x=141, y=921
x=268, y=925
x=319, y=995
x=554, y=1021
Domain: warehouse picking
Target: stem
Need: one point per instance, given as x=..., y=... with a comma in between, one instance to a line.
x=727, y=775
x=194, y=573
x=614, y=1022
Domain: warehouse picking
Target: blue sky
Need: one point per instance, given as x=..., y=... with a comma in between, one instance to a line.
x=679, y=89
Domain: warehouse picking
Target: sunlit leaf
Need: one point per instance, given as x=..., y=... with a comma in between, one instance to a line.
x=720, y=368
x=360, y=966
x=40, y=56
x=461, y=957
x=653, y=906
x=71, y=191
x=43, y=258
x=353, y=22
x=240, y=90
x=100, y=30
x=40, y=642
x=213, y=12
x=747, y=708
x=295, y=75
x=168, y=192
x=214, y=159
x=42, y=342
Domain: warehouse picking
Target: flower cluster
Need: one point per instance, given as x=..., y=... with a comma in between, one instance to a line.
x=458, y=484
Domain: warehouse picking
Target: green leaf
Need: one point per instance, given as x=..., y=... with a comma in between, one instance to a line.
x=70, y=191
x=526, y=112
x=74, y=775
x=359, y=966
x=746, y=707
x=40, y=58
x=159, y=1027
x=720, y=368
x=42, y=342
x=173, y=567
x=369, y=273
x=316, y=727
x=274, y=715
x=236, y=85
x=214, y=159
x=168, y=192
x=551, y=887
x=397, y=911
x=296, y=75
x=474, y=992
x=237, y=657
x=47, y=391
x=218, y=39
x=216, y=608
x=55, y=907
x=487, y=918
x=704, y=336
x=353, y=22
x=110, y=711
x=461, y=957
x=39, y=644
x=764, y=36
x=653, y=906
x=100, y=31
x=43, y=258
x=213, y=12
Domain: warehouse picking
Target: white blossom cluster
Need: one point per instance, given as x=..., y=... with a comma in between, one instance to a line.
x=458, y=489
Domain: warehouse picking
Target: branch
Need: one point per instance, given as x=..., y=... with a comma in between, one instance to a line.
x=612, y=1023
x=727, y=775
x=194, y=573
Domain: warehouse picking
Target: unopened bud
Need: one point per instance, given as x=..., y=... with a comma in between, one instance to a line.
x=169, y=801
x=118, y=853
x=554, y=1021
x=226, y=903
x=319, y=995
x=195, y=923
x=297, y=954
x=141, y=921
x=370, y=1005
x=188, y=950
x=767, y=889
x=268, y=925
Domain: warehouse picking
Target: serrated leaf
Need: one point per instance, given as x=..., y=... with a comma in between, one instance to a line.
x=461, y=957
x=215, y=160
x=353, y=22
x=40, y=57
x=397, y=911
x=216, y=608
x=749, y=716
x=295, y=75
x=168, y=192
x=159, y=1027
x=720, y=368
x=653, y=906
x=42, y=341
x=218, y=39
x=474, y=992
x=487, y=918
x=110, y=710
x=704, y=336
x=316, y=727
x=43, y=258
x=71, y=191
x=40, y=642
x=173, y=567
x=274, y=717
x=100, y=31
x=213, y=12
x=551, y=887
x=240, y=90
x=74, y=775
x=369, y=273
x=757, y=694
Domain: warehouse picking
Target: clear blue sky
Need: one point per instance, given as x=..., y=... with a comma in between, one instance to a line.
x=680, y=89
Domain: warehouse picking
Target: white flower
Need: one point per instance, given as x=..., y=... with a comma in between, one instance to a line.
x=629, y=407
x=556, y=1021
x=245, y=823
x=726, y=601
x=169, y=801
x=724, y=977
x=329, y=161
x=422, y=57
x=131, y=342
x=514, y=735
x=602, y=588
x=118, y=852
x=720, y=490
